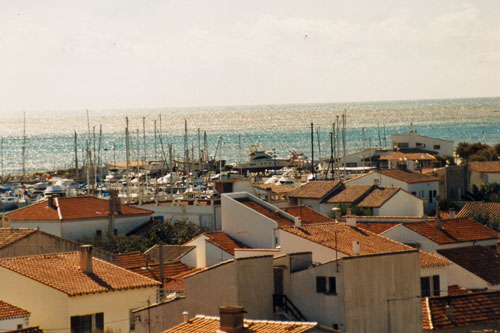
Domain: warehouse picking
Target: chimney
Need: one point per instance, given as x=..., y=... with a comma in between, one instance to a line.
x=185, y=315
x=336, y=213
x=298, y=221
x=452, y=213
x=231, y=318
x=86, y=258
x=51, y=202
x=356, y=249
x=5, y=221
x=351, y=221
x=349, y=212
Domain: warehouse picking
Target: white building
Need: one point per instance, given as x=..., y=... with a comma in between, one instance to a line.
x=71, y=290
x=423, y=186
x=483, y=173
x=12, y=317
x=78, y=218
x=413, y=140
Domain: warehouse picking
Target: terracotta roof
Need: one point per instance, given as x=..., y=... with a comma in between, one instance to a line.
x=454, y=231
x=203, y=324
x=350, y=193
x=274, y=215
x=408, y=176
x=474, y=309
x=152, y=271
x=224, y=241
x=279, y=189
x=176, y=282
x=455, y=290
x=479, y=260
x=314, y=189
x=475, y=209
x=11, y=235
x=307, y=214
x=377, y=227
x=397, y=156
x=62, y=271
x=170, y=252
x=370, y=243
x=32, y=329
x=485, y=167
x=428, y=260
x=10, y=311
x=71, y=209
x=378, y=196
x=130, y=259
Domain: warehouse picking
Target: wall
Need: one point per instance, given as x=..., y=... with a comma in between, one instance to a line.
x=40, y=243
x=86, y=229
x=215, y=255
x=404, y=235
x=207, y=217
x=51, y=227
x=48, y=306
x=115, y=305
x=245, y=253
x=11, y=324
x=401, y=204
x=156, y=319
x=247, y=225
x=291, y=243
x=200, y=256
x=464, y=278
x=442, y=271
x=446, y=147
x=382, y=293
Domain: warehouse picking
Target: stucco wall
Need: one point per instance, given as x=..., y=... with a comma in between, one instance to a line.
x=404, y=235
x=382, y=293
x=206, y=217
x=465, y=279
x=442, y=271
x=247, y=225
x=157, y=319
x=291, y=243
x=401, y=204
x=11, y=324
x=215, y=255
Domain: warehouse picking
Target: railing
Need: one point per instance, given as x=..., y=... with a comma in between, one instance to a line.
x=284, y=303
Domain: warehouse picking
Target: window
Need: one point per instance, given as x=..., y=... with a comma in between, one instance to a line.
x=115, y=232
x=414, y=193
x=419, y=144
x=335, y=326
x=403, y=145
x=332, y=285
x=430, y=286
x=321, y=284
x=85, y=324
x=437, y=146
x=19, y=326
x=98, y=234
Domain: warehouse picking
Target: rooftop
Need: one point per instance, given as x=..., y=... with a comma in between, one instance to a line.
x=170, y=252
x=377, y=227
x=429, y=260
x=8, y=311
x=370, y=243
x=62, y=271
x=477, y=208
x=453, y=231
x=485, y=167
x=314, y=189
x=350, y=193
x=408, y=176
x=224, y=241
x=308, y=215
x=379, y=196
x=479, y=260
x=447, y=312
x=207, y=324
x=398, y=156
x=71, y=209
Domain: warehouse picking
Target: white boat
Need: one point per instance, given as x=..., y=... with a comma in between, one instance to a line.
x=260, y=160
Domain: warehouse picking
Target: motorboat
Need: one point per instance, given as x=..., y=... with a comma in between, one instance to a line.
x=260, y=160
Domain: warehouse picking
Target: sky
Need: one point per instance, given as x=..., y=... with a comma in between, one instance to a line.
x=73, y=55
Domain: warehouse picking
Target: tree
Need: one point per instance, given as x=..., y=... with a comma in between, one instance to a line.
x=477, y=151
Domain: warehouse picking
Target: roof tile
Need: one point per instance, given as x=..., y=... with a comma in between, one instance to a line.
x=485, y=167
x=224, y=241
x=314, y=189
x=408, y=176
x=10, y=311
x=11, y=235
x=350, y=194
x=378, y=197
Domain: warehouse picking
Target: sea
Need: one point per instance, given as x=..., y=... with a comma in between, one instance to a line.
x=49, y=138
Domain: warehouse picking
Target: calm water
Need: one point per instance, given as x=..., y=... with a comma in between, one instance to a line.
x=50, y=142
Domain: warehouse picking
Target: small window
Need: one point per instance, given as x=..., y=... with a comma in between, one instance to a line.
x=414, y=193
x=437, y=146
x=332, y=285
x=425, y=286
x=403, y=145
x=321, y=284
x=335, y=326
x=419, y=144
x=19, y=326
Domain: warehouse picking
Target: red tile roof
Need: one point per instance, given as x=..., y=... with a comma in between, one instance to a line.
x=448, y=312
x=408, y=176
x=454, y=231
x=152, y=271
x=176, y=283
x=378, y=197
x=71, y=209
x=476, y=209
x=314, y=189
x=8, y=311
x=370, y=243
x=485, y=167
x=130, y=259
x=170, y=252
x=428, y=260
x=12, y=235
x=224, y=241
x=274, y=215
x=205, y=324
x=350, y=193
x=377, y=227
x=308, y=215
x=62, y=271
x=397, y=156
x=455, y=290
x=479, y=260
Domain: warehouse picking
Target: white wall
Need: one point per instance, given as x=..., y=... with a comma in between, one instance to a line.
x=442, y=271
x=247, y=225
x=199, y=257
x=12, y=324
x=404, y=235
x=446, y=147
x=215, y=255
x=401, y=204
x=51, y=227
x=207, y=217
x=291, y=243
x=464, y=278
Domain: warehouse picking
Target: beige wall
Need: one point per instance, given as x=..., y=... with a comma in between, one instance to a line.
x=382, y=293
x=159, y=319
x=401, y=204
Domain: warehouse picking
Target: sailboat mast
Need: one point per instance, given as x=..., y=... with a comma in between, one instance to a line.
x=24, y=144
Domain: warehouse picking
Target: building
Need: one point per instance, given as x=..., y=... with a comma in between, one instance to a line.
x=72, y=291
x=483, y=173
x=474, y=267
x=413, y=161
x=481, y=211
x=414, y=140
x=423, y=186
x=79, y=218
x=474, y=312
x=13, y=317
x=454, y=181
x=433, y=235
x=15, y=242
x=313, y=193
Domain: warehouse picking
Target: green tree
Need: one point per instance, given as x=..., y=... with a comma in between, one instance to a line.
x=476, y=151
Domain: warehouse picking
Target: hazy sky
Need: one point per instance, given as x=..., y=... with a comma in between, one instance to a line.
x=123, y=54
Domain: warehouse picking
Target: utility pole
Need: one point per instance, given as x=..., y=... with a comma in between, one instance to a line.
x=76, y=157
x=312, y=149
x=144, y=137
